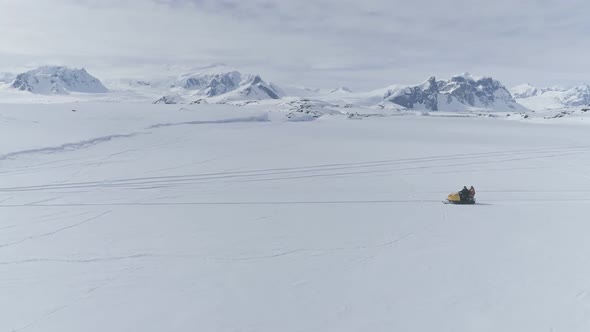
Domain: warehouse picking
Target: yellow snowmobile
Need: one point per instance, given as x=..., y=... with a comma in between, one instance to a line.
x=455, y=198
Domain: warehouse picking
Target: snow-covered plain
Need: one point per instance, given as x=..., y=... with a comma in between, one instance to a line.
x=131, y=217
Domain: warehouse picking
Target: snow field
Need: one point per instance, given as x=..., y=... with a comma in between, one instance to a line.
x=146, y=217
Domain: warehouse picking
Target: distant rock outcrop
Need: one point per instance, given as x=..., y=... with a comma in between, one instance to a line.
x=58, y=80
x=226, y=82
x=458, y=93
x=170, y=100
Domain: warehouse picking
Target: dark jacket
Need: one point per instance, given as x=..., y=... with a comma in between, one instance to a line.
x=464, y=193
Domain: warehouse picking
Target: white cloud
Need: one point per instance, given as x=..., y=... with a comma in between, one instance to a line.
x=362, y=44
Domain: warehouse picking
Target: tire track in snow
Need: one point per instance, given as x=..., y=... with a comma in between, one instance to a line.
x=315, y=251
x=56, y=310
x=115, y=204
x=51, y=233
x=45, y=316
x=44, y=200
x=305, y=171
x=407, y=168
x=87, y=260
x=246, y=203
x=445, y=215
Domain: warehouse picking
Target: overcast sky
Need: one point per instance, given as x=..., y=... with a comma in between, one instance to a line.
x=362, y=44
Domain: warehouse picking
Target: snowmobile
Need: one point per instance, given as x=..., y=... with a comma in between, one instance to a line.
x=455, y=198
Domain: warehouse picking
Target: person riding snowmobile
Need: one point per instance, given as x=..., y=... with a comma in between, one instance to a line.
x=464, y=196
x=471, y=192
x=464, y=193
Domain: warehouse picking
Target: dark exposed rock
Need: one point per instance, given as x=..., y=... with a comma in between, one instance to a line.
x=459, y=91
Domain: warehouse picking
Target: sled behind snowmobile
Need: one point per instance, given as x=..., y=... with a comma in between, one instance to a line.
x=455, y=198
x=464, y=202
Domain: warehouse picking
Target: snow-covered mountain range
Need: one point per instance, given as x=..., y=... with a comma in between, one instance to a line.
x=461, y=92
x=551, y=98
x=223, y=84
x=220, y=84
x=58, y=80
